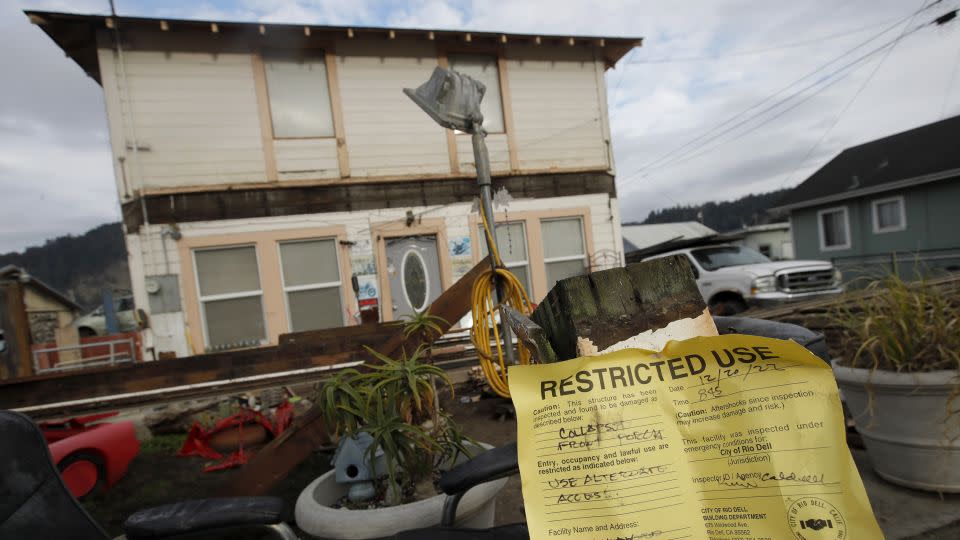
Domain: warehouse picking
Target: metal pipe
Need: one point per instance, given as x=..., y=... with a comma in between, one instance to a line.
x=481, y=159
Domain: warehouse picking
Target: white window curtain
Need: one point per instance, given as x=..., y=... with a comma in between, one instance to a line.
x=834, y=228
x=312, y=284
x=231, y=299
x=889, y=215
x=512, y=245
x=564, y=250
x=484, y=69
x=299, y=97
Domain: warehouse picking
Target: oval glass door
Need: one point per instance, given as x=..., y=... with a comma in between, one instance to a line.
x=413, y=272
x=413, y=276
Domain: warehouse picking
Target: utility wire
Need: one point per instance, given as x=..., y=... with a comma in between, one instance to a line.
x=946, y=91
x=847, y=71
x=853, y=99
x=696, y=152
x=699, y=149
x=793, y=45
x=733, y=118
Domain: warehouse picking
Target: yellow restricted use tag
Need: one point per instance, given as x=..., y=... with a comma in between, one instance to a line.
x=729, y=437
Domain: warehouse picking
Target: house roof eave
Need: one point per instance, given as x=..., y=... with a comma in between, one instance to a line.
x=76, y=34
x=882, y=188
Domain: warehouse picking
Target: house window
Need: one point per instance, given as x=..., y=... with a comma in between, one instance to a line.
x=231, y=299
x=512, y=245
x=889, y=215
x=765, y=250
x=299, y=97
x=311, y=284
x=484, y=69
x=564, y=251
x=834, y=226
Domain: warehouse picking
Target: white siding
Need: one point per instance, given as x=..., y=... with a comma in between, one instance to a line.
x=306, y=159
x=147, y=250
x=386, y=133
x=496, y=147
x=557, y=112
x=194, y=117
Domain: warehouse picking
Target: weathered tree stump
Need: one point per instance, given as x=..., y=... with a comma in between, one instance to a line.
x=591, y=313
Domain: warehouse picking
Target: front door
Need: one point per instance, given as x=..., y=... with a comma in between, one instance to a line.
x=413, y=268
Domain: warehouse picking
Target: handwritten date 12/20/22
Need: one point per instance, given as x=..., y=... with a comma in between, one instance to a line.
x=708, y=386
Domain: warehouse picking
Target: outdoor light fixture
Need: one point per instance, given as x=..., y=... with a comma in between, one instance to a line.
x=453, y=100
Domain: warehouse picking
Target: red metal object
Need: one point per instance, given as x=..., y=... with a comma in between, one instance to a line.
x=91, y=455
x=198, y=439
x=81, y=477
x=54, y=431
x=283, y=417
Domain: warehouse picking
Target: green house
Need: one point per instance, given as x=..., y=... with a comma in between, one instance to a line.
x=892, y=204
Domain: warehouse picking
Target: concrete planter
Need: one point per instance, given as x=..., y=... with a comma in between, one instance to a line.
x=315, y=517
x=904, y=428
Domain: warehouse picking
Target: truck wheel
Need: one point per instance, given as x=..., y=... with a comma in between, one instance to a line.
x=727, y=306
x=83, y=472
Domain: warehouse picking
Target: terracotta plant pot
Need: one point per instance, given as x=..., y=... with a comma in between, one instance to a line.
x=905, y=424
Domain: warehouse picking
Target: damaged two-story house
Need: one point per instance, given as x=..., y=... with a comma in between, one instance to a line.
x=261, y=167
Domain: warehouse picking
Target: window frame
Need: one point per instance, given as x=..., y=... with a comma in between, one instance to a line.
x=531, y=218
x=846, y=224
x=286, y=290
x=323, y=54
x=902, y=206
x=583, y=242
x=201, y=299
x=526, y=246
x=497, y=58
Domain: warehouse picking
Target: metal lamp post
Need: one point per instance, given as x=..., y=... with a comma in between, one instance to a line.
x=453, y=100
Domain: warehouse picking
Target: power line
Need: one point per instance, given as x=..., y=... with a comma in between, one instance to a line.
x=787, y=87
x=793, y=45
x=623, y=74
x=663, y=161
x=732, y=118
x=840, y=77
x=698, y=150
x=946, y=91
x=853, y=99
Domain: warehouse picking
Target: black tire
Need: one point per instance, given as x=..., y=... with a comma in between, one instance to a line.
x=92, y=457
x=728, y=306
x=86, y=332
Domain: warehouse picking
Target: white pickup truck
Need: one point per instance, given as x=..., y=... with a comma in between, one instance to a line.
x=732, y=278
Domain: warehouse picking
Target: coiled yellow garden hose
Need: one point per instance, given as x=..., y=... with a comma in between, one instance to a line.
x=485, y=325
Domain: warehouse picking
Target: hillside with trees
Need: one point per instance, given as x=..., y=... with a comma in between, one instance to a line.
x=723, y=216
x=78, y=265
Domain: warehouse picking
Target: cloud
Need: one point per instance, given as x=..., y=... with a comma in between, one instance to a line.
x=54, y=158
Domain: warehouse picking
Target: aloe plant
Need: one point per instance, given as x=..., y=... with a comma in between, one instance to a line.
x=423, y=324
x=393, y=400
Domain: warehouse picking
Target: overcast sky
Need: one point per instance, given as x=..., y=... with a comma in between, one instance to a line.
x=699, y=65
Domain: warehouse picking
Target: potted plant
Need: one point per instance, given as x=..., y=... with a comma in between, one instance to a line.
x=393, y=404
x=899, y=378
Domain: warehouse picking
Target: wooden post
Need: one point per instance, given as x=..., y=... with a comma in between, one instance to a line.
x=605, y=308
x=277, y=459
x=16, y=360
